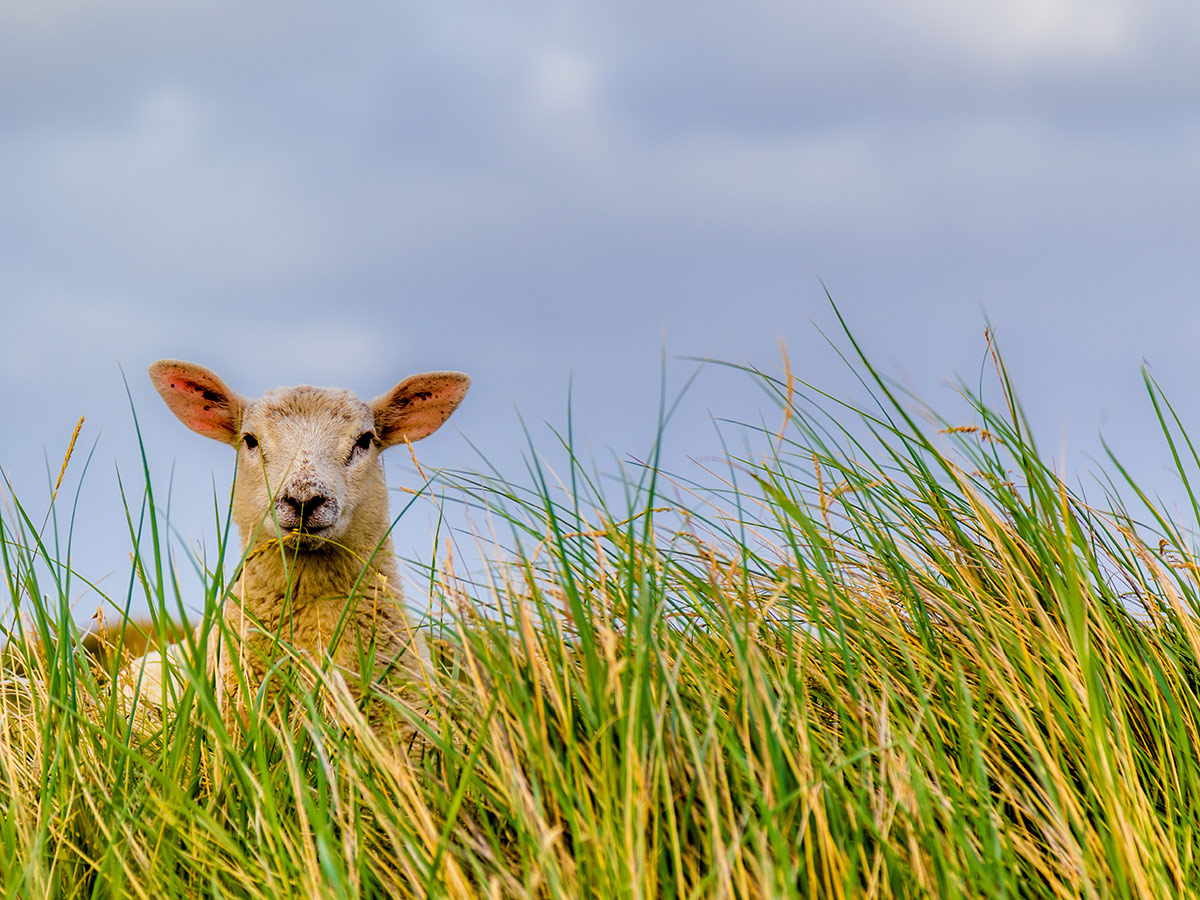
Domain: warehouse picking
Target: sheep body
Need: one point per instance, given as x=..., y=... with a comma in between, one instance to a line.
x=318, y=577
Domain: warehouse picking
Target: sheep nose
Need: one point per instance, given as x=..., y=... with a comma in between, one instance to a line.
x=304, y=510
x=311, y=512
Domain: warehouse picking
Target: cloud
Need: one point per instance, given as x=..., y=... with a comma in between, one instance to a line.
x=1023, y=33
x=563, y=82
x=498, y=145
x=776, y=68
x=157, y=194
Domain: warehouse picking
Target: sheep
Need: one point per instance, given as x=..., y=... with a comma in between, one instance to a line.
x=318, y=577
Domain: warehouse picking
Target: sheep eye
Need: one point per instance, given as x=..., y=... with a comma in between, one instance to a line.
x=251, y=441
x=362, y=445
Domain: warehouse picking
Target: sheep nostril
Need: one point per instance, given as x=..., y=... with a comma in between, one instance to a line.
x=310, y=509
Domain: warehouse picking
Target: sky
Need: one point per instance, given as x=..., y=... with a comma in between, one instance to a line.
x=572, y=199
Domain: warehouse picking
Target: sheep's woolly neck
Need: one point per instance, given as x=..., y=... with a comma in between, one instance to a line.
x=272, y=575
x=320, y=603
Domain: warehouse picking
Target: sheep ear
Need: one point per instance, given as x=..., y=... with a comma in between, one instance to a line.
x=199, y=399
x=417, y=406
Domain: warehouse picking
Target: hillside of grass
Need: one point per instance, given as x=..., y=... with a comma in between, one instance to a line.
x=890, y=656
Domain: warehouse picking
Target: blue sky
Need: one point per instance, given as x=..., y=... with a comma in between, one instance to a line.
x=544, y=194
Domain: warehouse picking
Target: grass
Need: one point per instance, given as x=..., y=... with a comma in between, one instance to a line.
x=893, y=656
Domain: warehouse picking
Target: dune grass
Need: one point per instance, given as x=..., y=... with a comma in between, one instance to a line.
x=891, y=656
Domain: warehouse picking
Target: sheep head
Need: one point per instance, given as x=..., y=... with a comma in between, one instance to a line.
x=309, y=470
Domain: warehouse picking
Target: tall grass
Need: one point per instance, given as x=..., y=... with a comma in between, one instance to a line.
x=892, y=656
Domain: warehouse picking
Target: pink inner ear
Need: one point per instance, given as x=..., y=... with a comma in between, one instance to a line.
x=203, y=421
x=204, y=410
x=200, y=400
x=418, y=406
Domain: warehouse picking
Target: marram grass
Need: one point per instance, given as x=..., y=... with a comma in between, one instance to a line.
x=893, y=656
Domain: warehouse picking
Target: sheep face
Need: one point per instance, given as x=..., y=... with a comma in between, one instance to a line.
x=309, y=470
